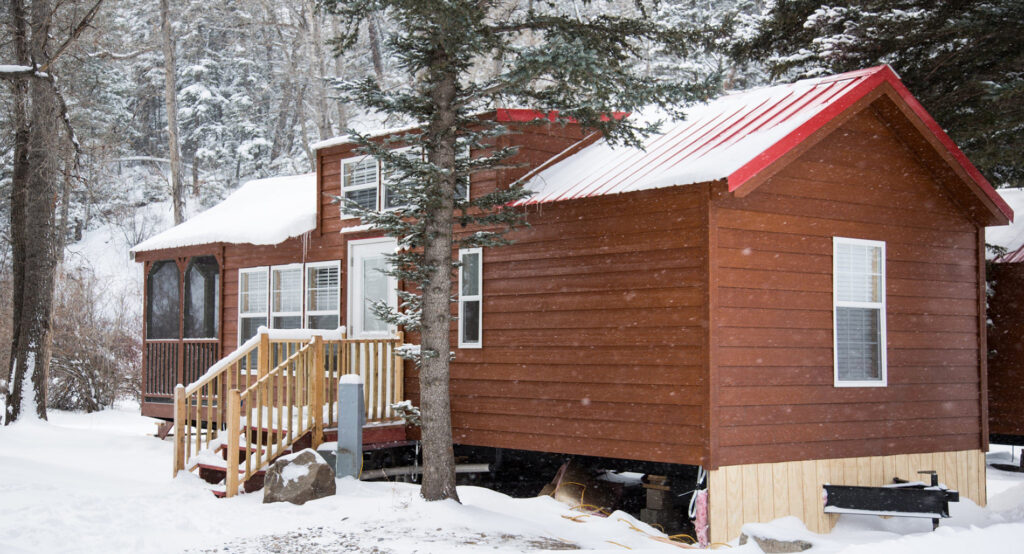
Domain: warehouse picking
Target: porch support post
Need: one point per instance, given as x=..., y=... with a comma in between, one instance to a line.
x=233, y=420
x=263, y=355
x=179, y=428
x=319, y=376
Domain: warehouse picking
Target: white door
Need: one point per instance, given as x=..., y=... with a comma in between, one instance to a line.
x=367, y=285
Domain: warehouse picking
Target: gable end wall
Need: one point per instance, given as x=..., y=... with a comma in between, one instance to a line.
x=773, y=324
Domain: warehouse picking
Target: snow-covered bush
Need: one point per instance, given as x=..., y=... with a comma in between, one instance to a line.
x=96, y=345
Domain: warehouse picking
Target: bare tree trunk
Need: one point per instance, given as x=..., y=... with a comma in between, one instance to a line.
x=323, y=118
x=33, y=194
x=171, y=103
x=435, y=339
x=19, y=197
x=375, y=56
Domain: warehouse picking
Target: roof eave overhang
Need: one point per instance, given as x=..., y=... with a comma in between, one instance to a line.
x=881, y=82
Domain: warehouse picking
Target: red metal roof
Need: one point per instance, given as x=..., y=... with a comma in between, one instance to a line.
x=734, y=137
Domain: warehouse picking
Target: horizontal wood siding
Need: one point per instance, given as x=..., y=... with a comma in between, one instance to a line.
x=773, y=325
x=1006, y=351
x=594, y=333
x=762, y=492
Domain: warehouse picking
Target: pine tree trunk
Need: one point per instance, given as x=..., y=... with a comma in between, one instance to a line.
x=435, y=402
x=171, y=104
x=375, y=55
x=33, y=195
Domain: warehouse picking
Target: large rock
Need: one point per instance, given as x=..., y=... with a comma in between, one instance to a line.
x=298, y=478
x=777, y=546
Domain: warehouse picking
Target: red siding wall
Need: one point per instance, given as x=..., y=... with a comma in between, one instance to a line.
x=1006, y=352
x=772, y=337
x=594, y=332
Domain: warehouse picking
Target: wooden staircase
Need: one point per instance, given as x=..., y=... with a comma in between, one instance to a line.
x=275, y=395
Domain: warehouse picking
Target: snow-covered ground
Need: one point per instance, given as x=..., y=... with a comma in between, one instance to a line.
x=101, y=483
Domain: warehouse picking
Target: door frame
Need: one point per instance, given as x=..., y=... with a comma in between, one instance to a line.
x=354, y=286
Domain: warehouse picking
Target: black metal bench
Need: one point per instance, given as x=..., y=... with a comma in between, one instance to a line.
x=902, y=498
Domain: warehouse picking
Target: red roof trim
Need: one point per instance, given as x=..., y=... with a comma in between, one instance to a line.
x=873, y=77
x=519, y=115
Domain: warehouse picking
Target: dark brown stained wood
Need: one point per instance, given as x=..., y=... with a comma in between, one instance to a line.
x=595, y=312
x=583, y=445
x=838, y=447
x=1006, y=350
x=822, y=375
x=773, y=327
x=824, y=413
x=639, y=412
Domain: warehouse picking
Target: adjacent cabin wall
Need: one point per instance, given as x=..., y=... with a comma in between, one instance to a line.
x=1006, y=354
x=594, y=332
x=772, y=331
x=763, y=492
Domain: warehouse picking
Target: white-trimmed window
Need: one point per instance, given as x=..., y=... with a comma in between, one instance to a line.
x=471, y=298
x=360, y=180
x=323, y=292
x=252, y=301
x=391, y=198
x=858, y=291
x=286, y=296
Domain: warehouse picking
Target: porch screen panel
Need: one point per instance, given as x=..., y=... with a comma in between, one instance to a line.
x=202, y=298
x=163, y=301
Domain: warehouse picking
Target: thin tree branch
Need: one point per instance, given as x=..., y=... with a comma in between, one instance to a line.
x=77, y=32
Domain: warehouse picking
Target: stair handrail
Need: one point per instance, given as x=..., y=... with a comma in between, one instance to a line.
x=216, y=381
x=297, y=382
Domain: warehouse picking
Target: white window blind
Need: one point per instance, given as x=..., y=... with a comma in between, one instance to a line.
x=359, y=180
x=252, y=301
x=286, y=296
x=471, y=298
x=859, y=312
x=323, y=292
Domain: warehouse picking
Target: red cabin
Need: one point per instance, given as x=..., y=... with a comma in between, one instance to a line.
x=786, y=289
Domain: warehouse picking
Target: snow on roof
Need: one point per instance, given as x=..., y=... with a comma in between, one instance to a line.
x=264, y=211
x=733, y=137
x=1010, y=237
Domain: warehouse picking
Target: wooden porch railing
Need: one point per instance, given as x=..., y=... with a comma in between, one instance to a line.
x=276, y=388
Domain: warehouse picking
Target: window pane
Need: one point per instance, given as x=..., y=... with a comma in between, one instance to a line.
x=858, y=352
x=375, y=289
x=323, y=288
x=164, y=302
x=393, y=198
x=471, y=321
x=859, y=273
x=248, y=327
x=287, y=322
x=471, y=274
x=365, y=198
x=323, y=322
x=202, y=298
x=287, y=290
x=253, y=298
x=360, y=173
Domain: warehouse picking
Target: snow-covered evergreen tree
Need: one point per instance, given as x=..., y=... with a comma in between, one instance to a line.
x=964, y=60
x=460, y=58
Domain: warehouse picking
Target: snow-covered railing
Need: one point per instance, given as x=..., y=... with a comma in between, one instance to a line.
x=277, y=387
x=282, y=405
